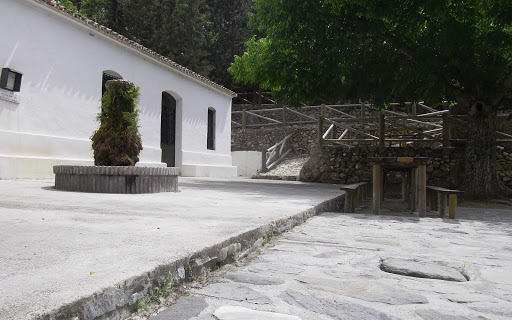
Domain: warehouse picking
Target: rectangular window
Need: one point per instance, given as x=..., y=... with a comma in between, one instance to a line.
x=211, y=129
x=10, y=80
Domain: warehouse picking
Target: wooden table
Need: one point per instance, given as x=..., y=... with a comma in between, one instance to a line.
x=414, y=182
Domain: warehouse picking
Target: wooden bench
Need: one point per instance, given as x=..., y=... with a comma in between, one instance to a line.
x=438, y=196
x=355, y=193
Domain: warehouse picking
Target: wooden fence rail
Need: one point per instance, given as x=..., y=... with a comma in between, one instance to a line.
x=360, y=123
x=272, y=156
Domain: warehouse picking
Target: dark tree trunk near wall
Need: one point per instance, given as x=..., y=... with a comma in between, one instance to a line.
x=481, y=181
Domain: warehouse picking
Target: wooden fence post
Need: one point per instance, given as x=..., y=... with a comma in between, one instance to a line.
x=244, y=119
x=414, y=111
x=321, y=125
x=422, y=190
x=446, y=130
x=263, y=160
x=363, y=110
x=382, y=132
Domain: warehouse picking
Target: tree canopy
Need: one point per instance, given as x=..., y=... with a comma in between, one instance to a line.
x=381, y=50
x=201, y=35
x=390, y=50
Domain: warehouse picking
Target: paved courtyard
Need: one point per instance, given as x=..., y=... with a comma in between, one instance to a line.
x=362, y=266
x=59, y=247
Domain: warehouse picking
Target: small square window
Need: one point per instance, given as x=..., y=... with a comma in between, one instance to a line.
x=10, y=80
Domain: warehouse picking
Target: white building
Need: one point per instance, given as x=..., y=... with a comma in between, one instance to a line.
x=62, y=60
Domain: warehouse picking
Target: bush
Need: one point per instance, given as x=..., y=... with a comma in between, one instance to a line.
x=117, y=142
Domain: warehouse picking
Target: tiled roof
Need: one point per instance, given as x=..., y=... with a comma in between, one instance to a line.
x=120, y=38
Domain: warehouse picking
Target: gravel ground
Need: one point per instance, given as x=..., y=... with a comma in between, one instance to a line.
x=287, y=168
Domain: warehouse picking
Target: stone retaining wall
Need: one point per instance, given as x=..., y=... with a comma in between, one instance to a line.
x=257, y=139
x=348, y=164
x=110, y=179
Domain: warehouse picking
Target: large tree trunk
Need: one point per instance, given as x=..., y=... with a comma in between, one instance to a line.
x=481, y=181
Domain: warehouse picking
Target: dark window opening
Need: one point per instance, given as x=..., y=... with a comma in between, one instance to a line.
x=168, y=121
x=10, y=80
x=168, y=130
x=211, y=129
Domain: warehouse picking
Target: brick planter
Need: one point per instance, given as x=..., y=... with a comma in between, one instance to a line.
x=106, y=179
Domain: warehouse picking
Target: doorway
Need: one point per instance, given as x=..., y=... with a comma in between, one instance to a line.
x=168, y=130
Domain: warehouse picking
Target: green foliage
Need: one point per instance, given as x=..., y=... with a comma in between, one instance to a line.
x=390, y=50
x=117, y=142
x=198, y=34
x=140, y=304
x=158, y=295
x=381, y=50
x=68, y=4
x=226, y=32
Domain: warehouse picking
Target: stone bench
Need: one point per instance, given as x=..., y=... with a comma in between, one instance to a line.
x=354, y=194
x=437, y=198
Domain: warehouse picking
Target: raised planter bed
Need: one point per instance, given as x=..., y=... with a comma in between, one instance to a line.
x=111, y=179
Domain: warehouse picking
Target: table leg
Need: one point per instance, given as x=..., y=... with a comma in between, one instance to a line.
x=404, y=182
x=408, y=188
x=383, y=176
x=452, y=204
x=442, y=204
x=377, y=187
x=413, y=191
x=422, y=190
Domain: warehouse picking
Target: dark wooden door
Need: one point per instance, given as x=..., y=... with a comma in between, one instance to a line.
x=168, y=130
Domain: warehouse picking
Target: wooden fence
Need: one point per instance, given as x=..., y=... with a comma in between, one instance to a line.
x=362, y=124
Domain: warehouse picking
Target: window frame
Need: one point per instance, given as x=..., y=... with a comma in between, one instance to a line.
x=8, y=74
x=211, y=128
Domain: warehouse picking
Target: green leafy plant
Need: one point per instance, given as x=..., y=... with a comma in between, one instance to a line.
x=140, y=304
x=158, y=295
x=267, y=240
x=117, y=142
x=233, y=256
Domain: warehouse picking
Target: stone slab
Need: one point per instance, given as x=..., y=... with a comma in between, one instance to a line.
x=436, y=315
x=274, y=268
x=334, y=309
x=242, y=313
x=184, y=309
x=235, y=292
x=502, y=309
x=371, y=291
x=254, y=279
x=421, y=270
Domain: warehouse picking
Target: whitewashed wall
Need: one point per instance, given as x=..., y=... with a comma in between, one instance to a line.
x=248, y=163
x=62, y=64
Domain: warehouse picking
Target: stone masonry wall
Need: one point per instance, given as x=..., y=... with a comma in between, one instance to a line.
x=257, y=139
x=337, y=164
x=349, y=164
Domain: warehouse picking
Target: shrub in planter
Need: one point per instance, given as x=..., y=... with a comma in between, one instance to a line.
x=117, y=142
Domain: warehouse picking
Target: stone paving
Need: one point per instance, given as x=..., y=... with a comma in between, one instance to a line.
x=362, y=266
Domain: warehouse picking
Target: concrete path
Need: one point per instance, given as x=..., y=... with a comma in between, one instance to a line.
x=362, y=266
x=68, y=253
